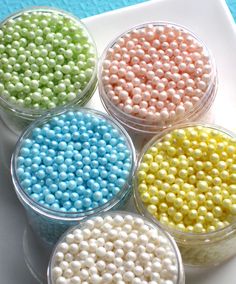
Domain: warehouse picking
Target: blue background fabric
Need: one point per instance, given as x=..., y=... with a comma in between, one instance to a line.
x=81, y=8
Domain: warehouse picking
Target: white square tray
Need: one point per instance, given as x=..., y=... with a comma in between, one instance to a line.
x=212, y=21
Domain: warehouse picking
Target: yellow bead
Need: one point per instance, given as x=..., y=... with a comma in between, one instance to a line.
x=232, y=178
x=217, y=181
x=209, y=204
x=202, y=186
x=165, y=186
x=142, y=175
x=217, y=198
x=209, y=217
x=215, y=172
x=190, y=171
x=200, y=175
x=163, y=207
x=233, y=198
x=201, y=198
x=189, y=229
x=164, y=220
x=208, y=179
x=158, y=158
x=184, y=209
x=153, y=190
x=178, y=216
x=174, y=162
x=144, y=167
x=232, y=188
x=145, y=197
x=208, y=166
x=197, y=153
x=221, y=165
x=164, y=165
x=172, y=171
x=153, y=150
x=171, y=211
x=175, y=188
x=179, y=134
x=154, y=200
x=183, y=164
x=193, y=214
x=183, y=174
x=171, y=151
x=233, y=209
x=217, y=211
x=182, y=194
x=148, y=158
x=202, y=210
x=161, y=194
x=186, y=187
x=198, y=228
x=219, y=225
x=193, y=204
x=186, y=144
x=192, y=179
x=200, y=219
x=181, y=227
x=191, y=195
x=170, y=179
x=142, y=187
x=158, y=183
x=150, y=178
x=231, y=149
x=211, y=229
x=154, y=167
x=161, y=174
x=178, y=203
x=170, y=197
x=152, y=209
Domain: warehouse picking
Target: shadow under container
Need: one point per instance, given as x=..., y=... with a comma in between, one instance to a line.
x=197, y=249
x=49, y=224
x=16, y=117
x=148, y=126
x=180, y=270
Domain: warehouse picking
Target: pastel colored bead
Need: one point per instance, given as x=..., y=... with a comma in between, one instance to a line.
x=117, y=254
x=74, y=164
x=47, y=60
x=157, y=80
x=185, y=180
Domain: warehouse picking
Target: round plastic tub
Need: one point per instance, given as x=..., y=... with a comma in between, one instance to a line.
x=49, y=61
x=58, y=194
x=192, y=199
x=156, y=75
x=134, y=267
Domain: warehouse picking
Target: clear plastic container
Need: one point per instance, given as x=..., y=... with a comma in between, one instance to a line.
x=17, y=117
x=49, y=224
x=145, y=125
x=197, y=249
x=180, y=276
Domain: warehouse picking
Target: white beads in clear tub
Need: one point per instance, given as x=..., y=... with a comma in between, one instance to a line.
x=116, y=247
x=156, y=75
x=48, y=61
x=186, y=182
x=71, y=165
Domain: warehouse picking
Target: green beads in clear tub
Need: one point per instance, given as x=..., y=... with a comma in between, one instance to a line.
x=48, y=61
x=186, y=182
x=71, y=165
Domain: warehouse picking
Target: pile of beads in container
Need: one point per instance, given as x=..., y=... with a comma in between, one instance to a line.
x=48, y=60
x=75, y=166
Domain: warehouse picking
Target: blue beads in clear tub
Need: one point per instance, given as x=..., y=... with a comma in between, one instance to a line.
x=70, y=165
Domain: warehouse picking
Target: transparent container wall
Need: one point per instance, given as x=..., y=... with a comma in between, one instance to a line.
x=212, y=252
x=17, y=122
x=48, y=230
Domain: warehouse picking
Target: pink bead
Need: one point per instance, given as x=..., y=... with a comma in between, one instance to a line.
x=128, y=109
x=163, y=96
x=123, y=95
x=143, y=104
x=136, y=109
x=137, y=99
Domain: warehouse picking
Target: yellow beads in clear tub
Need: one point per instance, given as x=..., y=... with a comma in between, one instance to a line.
x=186, y=181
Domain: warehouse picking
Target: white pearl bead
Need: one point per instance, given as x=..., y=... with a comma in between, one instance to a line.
x=61, y=280
x=107, y=278
x=75, y=280
x=56, y=272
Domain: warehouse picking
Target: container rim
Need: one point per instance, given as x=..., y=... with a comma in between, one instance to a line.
x=188, y=114
x=28, y=112
x=70, y=216
x=177, y=234
x=123, y=213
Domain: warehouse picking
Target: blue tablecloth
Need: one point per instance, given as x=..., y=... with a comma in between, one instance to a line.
x=81, y=8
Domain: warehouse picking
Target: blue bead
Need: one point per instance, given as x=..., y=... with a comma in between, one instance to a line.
x=65, y=196
x=55, y=206
x=78, y=204
x=49, y=198
x=97, y=196
x=54, y=188
x=62, y=185
x=104, y=192
x=47, y=161
x=58, y=194
x=35, y=197
x=71, y=184
x=87, y=202
x=62, y=168
x=62, y=145
x=115, y=191
x=74, y=196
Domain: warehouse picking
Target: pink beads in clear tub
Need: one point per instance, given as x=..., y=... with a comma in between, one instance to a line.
x=155, y=75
